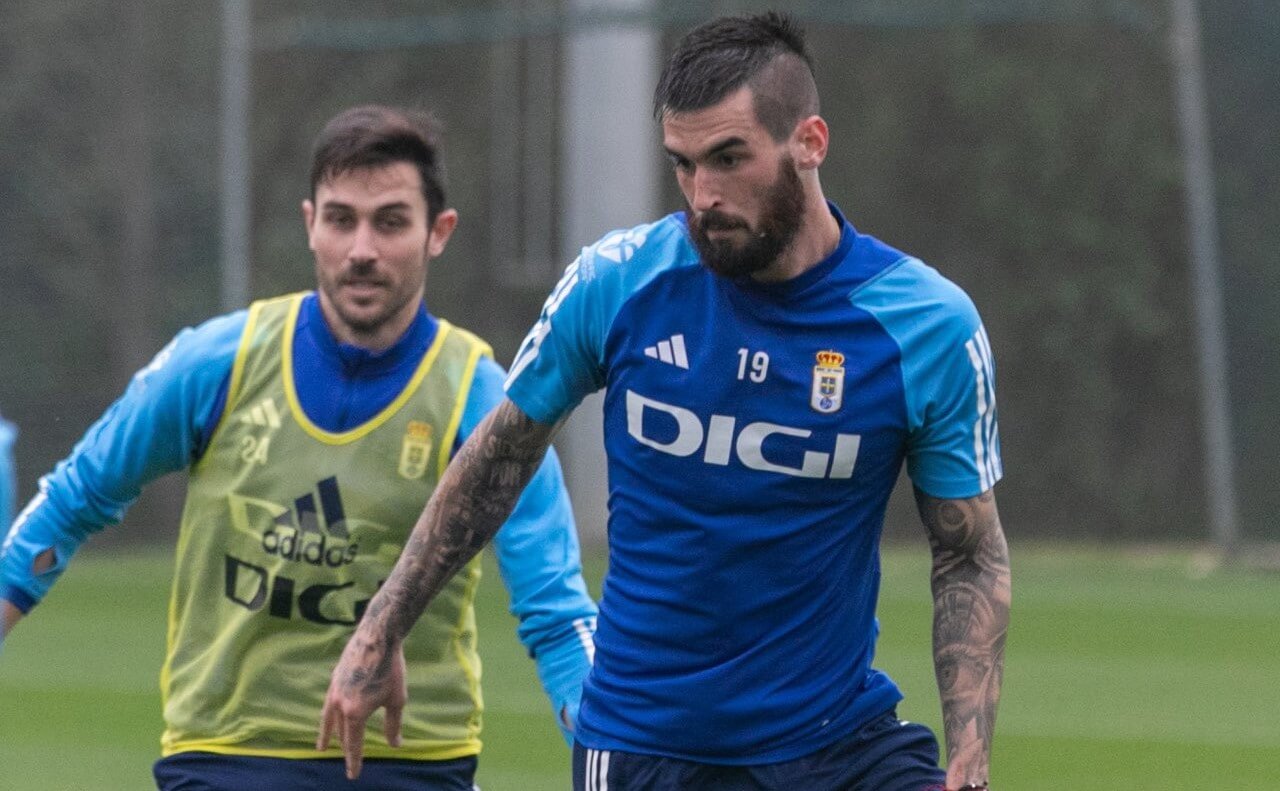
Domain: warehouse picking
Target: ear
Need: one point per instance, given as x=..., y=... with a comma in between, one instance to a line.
x=809, y=142
x=441, y=230
x=308, y=217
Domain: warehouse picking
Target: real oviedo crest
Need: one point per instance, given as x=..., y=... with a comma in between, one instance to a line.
x=828, y=382
x=415, y=452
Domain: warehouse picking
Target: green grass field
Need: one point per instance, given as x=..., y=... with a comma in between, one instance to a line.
x=1125, y=670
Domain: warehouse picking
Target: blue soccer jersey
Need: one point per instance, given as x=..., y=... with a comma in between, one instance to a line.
x=753, y=434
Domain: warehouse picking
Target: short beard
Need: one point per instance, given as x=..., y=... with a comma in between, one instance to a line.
x=780, y=221
x=355, y=320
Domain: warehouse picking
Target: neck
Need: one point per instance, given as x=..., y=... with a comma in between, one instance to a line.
x=817, y=237
x=378, y=338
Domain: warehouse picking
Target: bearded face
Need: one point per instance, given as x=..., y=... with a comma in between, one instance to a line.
x=732, y=247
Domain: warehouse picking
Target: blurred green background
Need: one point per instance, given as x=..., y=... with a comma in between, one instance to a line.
x=1126, y=670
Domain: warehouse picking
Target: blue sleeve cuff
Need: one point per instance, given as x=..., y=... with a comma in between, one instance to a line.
x=40, y=532
x=18, y=598
x=562, y=667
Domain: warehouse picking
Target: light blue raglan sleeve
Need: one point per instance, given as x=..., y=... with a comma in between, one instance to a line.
x=561, y=360
x=153, y=429
x=538, y=557
x=948, y=379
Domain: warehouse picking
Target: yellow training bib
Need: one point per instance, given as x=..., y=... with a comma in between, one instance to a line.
x=287, y=532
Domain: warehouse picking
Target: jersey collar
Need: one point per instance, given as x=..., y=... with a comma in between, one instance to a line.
x=351, y=358
x=815, y=274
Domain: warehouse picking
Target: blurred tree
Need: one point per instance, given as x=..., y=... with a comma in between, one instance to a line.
x=88, y=277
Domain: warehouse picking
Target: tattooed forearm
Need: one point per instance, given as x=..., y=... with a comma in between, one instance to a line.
x=476, y=495
x=971, y=594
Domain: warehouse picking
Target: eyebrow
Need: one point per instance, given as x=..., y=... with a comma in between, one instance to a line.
x=340, y=205
x=723, y=145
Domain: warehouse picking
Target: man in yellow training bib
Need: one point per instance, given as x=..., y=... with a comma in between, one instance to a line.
x=315, y=426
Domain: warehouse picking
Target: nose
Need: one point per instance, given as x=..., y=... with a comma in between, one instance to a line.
x=362, y=243
x=704, y=190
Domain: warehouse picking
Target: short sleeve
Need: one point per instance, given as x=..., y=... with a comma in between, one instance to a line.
x=561, y=360
x=953, y=443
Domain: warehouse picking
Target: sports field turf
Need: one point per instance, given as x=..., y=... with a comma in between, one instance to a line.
x=1126, y=670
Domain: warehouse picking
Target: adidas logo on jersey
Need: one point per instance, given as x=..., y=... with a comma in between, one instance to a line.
x=670, y=351
x=262, y=414
x=297, y=534
x=311, y=533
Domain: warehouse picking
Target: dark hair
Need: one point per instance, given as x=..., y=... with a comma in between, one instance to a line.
x=765, y=52
x=372, y=136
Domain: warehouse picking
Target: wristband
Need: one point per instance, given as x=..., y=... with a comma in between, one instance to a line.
x=983, y=786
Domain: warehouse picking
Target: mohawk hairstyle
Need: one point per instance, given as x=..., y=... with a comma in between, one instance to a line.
x=765, y=52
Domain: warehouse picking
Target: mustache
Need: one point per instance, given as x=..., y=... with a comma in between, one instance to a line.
x=360, y=280
x=712, y=220
x=361, y=273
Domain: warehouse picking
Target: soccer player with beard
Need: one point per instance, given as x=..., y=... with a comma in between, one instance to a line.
x=768, y=371
x=314, y=427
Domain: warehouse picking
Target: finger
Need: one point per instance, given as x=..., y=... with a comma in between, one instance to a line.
x=353, y=745
x=327, y=722
x=391, y=725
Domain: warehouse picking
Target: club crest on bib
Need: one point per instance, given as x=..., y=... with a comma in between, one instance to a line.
x=828, y=382
x=415, y=452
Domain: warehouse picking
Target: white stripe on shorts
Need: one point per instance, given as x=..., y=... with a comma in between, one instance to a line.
x=597, y=770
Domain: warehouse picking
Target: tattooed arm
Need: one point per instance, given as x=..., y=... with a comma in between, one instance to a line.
x=971, y=594
x=475, y=496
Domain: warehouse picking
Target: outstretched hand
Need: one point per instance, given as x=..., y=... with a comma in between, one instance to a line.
x=10, y=614
x=9, y=617
x=368, y=677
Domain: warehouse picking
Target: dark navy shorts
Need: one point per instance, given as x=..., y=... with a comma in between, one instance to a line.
x=210, y=772
x=886, y=754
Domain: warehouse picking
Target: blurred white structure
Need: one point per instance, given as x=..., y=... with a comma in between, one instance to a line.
x=609, y=181
x=237, y=52
x=1206, y=273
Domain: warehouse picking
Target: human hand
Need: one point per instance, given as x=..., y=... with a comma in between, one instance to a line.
x=965, y=762
x=368, y=677
x=11, y=616
x=567, y=721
